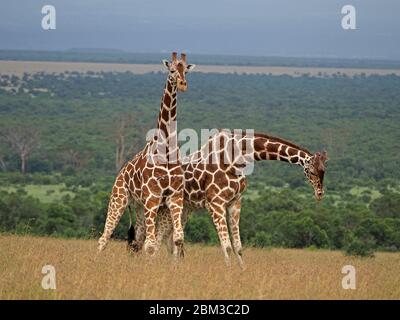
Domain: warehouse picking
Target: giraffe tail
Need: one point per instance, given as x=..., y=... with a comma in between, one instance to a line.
x=131, y=231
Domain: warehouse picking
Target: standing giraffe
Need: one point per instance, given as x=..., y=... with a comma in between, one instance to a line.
x=154, y=177
x=218, y=185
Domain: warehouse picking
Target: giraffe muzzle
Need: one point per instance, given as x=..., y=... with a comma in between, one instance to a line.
x=182, y=86
x=319, y=194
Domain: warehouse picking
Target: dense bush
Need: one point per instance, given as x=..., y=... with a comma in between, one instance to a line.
x=362, y=247
x=387, y=206
x=274, y=218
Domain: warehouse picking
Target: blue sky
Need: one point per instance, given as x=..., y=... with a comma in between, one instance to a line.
x=245, y=27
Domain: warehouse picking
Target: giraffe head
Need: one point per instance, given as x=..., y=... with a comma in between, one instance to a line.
x=314, y=169
x=177, y=70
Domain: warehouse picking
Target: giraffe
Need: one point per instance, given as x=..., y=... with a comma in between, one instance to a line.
x=154, y=176
x=218, y=186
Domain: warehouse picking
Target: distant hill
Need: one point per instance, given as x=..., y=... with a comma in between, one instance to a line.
x=119, y=56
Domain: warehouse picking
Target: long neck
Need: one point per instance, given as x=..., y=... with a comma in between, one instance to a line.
x=165, y=142
x=273, y=148
x=167, y=116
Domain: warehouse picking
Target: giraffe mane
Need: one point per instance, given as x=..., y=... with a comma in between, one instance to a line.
x=269, y=137
x=277, y=139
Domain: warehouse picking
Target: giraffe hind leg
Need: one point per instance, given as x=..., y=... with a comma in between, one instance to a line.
x=151, y=207
x=234, y=218
x=116, y=208
x=163, y=226
x=165, y=231
x=169, y=234
x=218, y=214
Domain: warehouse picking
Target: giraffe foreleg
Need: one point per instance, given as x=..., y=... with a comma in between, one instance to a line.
x=234, y=219
x=175, y=205
x=150, y=214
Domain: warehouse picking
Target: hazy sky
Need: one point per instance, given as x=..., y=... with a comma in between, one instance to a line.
x=249, y=27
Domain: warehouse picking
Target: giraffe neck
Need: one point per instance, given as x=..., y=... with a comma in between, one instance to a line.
x=273, y=148
x=165, y=142
x=167, y=115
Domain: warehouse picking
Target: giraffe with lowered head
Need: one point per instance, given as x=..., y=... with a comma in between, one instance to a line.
x=215, y=179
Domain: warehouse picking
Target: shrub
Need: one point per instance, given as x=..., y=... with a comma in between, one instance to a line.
x=261, y=240
x=200, y=229
x=359, y=247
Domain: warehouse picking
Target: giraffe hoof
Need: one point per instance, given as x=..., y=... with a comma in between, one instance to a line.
x=150, y=250
x=133, y=247
x=179, y=243
x=179, y=251
x=182, y=253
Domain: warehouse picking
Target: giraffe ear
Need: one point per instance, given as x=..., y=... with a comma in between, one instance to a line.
x=324, y=156
x=190, y=67
x=166, y=63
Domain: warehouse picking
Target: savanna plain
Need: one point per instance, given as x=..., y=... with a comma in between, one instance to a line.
x=82, y=273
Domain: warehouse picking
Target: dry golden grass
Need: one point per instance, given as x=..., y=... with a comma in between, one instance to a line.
x=114, y=274
x=19, y=67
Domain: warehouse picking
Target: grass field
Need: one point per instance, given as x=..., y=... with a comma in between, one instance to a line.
x=270, y=274
x=18, y=68
x=45, y=193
